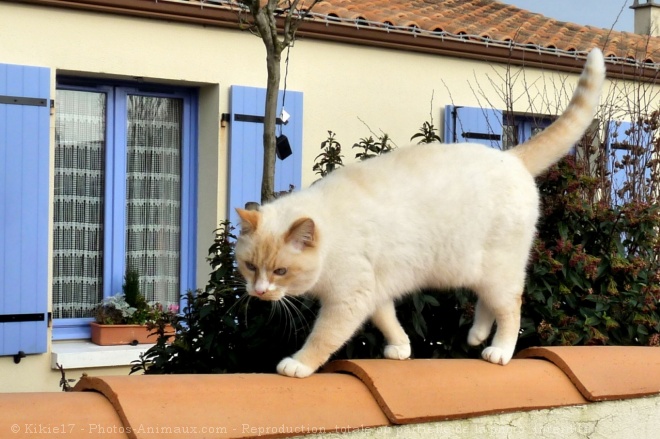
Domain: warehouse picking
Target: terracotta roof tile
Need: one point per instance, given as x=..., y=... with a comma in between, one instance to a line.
x=606, y=372
x=71, y=415
x=387, y=393
x=417, y=391
x=484, y=20
x=239, y=405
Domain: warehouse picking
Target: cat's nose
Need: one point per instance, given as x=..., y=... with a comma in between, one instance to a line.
x=260, y=287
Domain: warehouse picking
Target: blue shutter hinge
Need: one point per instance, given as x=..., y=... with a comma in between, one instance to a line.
x=19, y=356
x=16, y=318
x=17, y=100
x=481, y=136
x=256, y=119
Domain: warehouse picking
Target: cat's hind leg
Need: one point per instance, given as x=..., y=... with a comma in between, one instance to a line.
x=483, y=324
x=503, y=302
x=398, y=343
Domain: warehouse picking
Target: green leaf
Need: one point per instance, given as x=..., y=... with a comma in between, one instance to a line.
x=418, y=302
x=592, y=321
x=431, y=300
x=419, y=324
x=642, y=330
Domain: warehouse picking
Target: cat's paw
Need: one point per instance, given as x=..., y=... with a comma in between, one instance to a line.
x=294, y=368
x=397, y=352
x=477, y=336
x=496, y=355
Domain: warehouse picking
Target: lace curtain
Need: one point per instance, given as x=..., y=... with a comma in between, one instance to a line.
x=153, y=195
x=153, y=199
x=78, y=203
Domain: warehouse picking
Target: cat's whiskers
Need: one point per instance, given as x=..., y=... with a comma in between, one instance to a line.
x=236, y=284
x=300, y=313
x=274, y=306
x=290, y=318
x=240, y=299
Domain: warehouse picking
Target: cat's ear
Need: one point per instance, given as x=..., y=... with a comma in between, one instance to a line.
x=249, y=220
x=302, y=234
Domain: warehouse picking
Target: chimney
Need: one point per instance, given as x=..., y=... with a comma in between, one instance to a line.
x=647, y=17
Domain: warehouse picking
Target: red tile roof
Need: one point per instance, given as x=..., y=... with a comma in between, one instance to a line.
x=489, y=22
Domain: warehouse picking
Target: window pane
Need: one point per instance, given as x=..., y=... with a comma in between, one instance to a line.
x=78, y=203
x=153, y=192
x=510, y=136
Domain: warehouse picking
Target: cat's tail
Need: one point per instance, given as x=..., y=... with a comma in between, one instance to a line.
x=551, y=144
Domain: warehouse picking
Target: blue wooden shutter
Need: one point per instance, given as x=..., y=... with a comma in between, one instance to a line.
x=473, y=125
x=620, y=136
x=246, y=145
x=24, y=155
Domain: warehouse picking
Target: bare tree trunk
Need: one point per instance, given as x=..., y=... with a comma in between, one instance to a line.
x=265, y=24
x=270, y=126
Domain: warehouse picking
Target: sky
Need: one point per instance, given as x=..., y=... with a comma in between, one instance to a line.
x=599, y=13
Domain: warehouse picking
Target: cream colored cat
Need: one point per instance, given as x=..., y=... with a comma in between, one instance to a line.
x=424, y=216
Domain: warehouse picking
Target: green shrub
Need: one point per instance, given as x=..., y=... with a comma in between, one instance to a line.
x=330, y=157
x=593, y=276
x=373, y=147
x=426, y=134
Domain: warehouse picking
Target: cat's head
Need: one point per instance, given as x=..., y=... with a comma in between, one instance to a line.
x=277, y=259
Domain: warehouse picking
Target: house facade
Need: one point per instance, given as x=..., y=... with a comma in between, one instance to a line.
x=129, y=129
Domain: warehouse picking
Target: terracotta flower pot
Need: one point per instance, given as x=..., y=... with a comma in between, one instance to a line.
x=110, y=335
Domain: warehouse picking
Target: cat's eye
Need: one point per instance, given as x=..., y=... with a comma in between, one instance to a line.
x=250, y=266
x=280, y=271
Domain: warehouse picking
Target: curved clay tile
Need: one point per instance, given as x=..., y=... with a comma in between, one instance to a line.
x=333, y=17
x=491, y=19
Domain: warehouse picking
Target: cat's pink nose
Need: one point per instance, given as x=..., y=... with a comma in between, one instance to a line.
x=259, y=292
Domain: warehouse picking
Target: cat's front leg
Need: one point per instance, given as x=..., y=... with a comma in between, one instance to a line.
x=398, y=343
x=334, y=326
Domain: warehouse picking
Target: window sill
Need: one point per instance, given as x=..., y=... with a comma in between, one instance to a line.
x=84, y=354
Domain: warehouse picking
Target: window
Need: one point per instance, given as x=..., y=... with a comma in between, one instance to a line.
x=490, y=127
x=125, y=179
x=519, y=129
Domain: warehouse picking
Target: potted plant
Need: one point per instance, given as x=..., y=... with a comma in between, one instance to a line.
x=128, y=318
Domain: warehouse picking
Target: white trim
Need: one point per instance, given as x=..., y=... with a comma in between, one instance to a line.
x=84, y=354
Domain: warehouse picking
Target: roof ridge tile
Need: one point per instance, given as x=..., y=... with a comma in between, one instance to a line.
x=603, y=373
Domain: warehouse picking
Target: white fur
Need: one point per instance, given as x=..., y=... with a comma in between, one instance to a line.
x=420, y=217
x=428, y=216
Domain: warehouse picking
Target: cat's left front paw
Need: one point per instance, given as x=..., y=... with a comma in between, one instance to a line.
x=397, y=352
x=497, y=355
x=294, y=368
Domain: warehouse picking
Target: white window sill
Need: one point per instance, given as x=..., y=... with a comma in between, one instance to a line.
x=84, y=354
